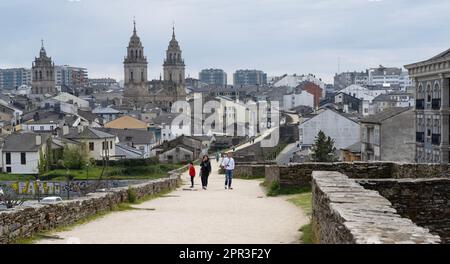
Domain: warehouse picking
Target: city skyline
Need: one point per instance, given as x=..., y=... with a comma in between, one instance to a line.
x=276, y=37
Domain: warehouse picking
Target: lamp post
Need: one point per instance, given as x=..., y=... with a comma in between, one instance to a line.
x=87, y=171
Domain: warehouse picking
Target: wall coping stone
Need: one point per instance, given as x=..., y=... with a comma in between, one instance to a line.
x=367, y=216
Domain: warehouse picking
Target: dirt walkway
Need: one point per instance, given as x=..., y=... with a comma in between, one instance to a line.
x=243, y=215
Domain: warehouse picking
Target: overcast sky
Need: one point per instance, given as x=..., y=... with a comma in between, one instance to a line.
x=277, y=36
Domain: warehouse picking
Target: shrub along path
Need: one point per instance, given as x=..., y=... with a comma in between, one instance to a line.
x=242, y=215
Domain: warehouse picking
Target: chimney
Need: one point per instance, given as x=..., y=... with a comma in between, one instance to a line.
x=38, y=140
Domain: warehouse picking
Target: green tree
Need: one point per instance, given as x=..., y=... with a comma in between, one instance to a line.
x=323, y=149
x=42, y=163
x=74, y=157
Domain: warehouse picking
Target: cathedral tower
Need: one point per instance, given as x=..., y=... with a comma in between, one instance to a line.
x=43, y=71
x=174, y=64
x=135, y=66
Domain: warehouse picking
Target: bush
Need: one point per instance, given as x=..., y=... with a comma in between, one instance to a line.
x=74, y=158
x=132, y=196
x=274, y=189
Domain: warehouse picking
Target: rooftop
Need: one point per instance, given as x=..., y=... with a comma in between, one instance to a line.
x=23, y=142
x=89, y=133
x=386, y=114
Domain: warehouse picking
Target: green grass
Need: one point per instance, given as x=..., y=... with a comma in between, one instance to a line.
x=113, y=173
x=308, y=236
x=274, y=189
x=301, y=197
x=119, y=208
x=303, y=200
x=15, y=177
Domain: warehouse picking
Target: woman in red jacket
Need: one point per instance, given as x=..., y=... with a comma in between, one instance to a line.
x=192, y=173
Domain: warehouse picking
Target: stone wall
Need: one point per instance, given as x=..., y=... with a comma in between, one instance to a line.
x=299, y=175
x=425, y=201
x=344, y=212
x=250, y=172
x=23, y=222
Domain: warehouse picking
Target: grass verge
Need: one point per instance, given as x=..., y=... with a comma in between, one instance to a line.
x=308, y=236
x=148, y=172
x=274, y=189
x=301, y=197
x=304, y=201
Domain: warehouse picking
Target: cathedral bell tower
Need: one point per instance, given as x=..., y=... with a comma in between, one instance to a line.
x=43, y=72
x=174, y=67
x=135, y=66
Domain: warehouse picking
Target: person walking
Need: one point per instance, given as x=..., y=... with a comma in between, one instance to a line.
x=192, y=173
x=228, y=164
x=205, y=170
x=217, y=156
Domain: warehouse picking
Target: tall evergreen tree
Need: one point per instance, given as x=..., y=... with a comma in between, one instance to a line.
x=323, y=149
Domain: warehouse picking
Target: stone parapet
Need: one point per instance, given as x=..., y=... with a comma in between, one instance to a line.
x=23, y=222
x=424, y=201
x=344, y=212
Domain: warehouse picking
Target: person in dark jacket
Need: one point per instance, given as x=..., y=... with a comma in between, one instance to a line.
x=205, y=170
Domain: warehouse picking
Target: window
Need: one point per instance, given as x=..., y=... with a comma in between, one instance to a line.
x=8, y=158
x=110, y=144
x=8, y=169
x=91, y=146
x=23, y=158
x=41, y=128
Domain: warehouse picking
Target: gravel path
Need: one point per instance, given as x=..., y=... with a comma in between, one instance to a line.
x=239, y=216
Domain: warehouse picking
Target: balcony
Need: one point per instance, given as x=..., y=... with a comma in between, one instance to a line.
x=420, y=137
x=436, y=104
x=420, y=104
x=436, y=139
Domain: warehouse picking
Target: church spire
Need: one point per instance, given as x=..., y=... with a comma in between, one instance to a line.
x=134, y=25
x=42, y=53
x=173, y=30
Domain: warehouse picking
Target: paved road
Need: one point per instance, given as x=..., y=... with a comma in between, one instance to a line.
x=258, y=139
x=243, y=215
x=285, y=155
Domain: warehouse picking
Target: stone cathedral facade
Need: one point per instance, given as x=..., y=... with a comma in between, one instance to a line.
x=43, y=72
x=139, y=92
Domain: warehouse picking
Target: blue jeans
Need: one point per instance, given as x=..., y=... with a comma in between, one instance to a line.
x=228, y=177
